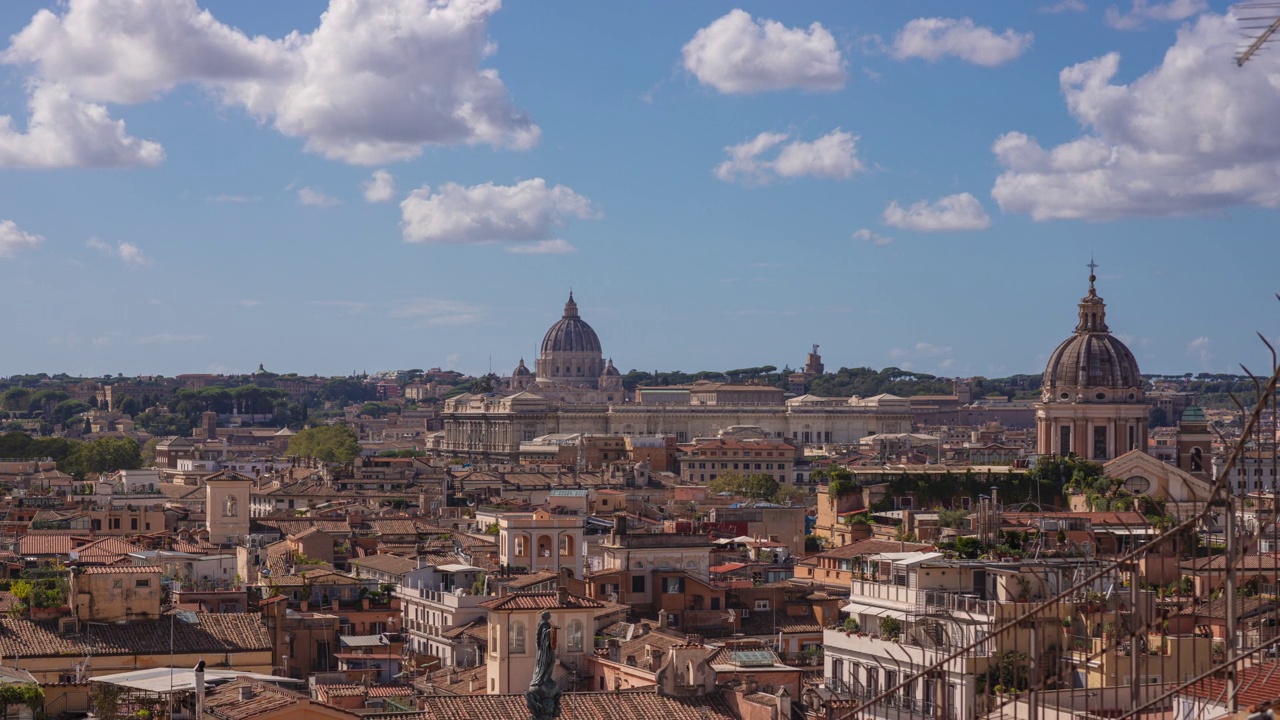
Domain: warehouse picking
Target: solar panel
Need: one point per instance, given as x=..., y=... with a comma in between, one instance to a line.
x=751, y=658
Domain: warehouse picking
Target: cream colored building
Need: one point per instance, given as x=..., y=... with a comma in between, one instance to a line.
x=542, y=541
x=227, y=507
x=513, y=635
x=1092, y=402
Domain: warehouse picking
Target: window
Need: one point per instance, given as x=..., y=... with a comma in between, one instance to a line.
x=1099, y=442
x=673, y=620
x=520, y=546
x=133, y=523
x=762, y=605
x=142, y=583
x=637, y=583
x=574, y=638
x=673, y=585
x=516, y=645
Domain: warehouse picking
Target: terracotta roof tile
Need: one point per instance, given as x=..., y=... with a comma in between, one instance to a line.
x=574, y=706
x=539, y=601
x=215, y=633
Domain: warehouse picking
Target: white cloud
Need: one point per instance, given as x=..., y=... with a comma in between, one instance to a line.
x=1141, y=11
x=525, y=212
x=542, y=247
x=866, y=235
x=1194, y=134
x=63, y=131
x=833, y=156
x=248, y=303
x=14, y=239
x=373, y=83
x=935, y=38
x=315, y=198
x=1202, y=350
x=1065, y=6
x=127, y=252
x=736, y=54
x=451, y=361
x=953, y=212
x=432, y=312
x=380, y=187
x=923, y=355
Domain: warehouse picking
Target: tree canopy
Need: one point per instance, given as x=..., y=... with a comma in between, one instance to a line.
x=328, y=443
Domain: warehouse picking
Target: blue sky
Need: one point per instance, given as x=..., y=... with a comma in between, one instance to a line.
x=911, y=186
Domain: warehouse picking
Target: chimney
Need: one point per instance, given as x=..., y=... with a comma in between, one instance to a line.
x=246, y=692
x=562, y=596
x=749, y=684
x=199, y=682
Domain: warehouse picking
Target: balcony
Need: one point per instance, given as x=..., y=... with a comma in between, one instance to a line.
x=882, y=591
x=941, y=601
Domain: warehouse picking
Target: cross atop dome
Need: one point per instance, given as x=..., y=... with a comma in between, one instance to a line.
x=571, y=307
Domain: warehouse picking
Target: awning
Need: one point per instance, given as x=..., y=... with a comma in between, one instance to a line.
x=861, y=609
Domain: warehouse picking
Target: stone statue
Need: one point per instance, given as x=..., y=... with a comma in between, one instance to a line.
x=543, y=696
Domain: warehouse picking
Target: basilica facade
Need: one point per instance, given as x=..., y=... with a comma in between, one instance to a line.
x=573, y=389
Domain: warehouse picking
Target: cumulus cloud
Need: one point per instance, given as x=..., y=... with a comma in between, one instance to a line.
x=832, y=156
x=431, y=312
x=736, y=54
x=526, y=212
x=542, y=247
x=380, y=187
x=935, y=38
x=866, y=235
x=953, y=212
x=1202, y=350
x=1065, y=6
x=923, y=354
x=1141, y=11
x=373, y=83
x=14, y=239
x=127, y=252
x=63, y=131
x=315, y=198
x=169, y=339
x=1193, y=134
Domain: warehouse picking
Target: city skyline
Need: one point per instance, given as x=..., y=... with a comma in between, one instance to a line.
x=904, y=186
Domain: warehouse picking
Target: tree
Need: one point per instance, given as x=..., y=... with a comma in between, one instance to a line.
x=1158, y=418
x=328, y=443
x=16, y=398
x=68, y=409
x=756, y=487
x=129, y=406
x=148, y=453
x=106, y=455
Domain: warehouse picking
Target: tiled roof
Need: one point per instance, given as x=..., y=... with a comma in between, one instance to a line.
x=384, y=562
x=455, y=682
x=872, y=547
x=532, y=579
x=117, y=569
x=215, y=633
x=476, y=630
x=394, y=527
x=106, y=546
x=573, y=706
x=1258, y=684
x=1216, y=608
x=33, y=544
x=539, y=601
x=225, y=700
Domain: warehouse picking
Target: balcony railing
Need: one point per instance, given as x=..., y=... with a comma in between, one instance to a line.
x=934, y=601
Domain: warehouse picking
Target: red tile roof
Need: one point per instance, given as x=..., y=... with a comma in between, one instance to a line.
x=574, y=706
x=117, y=569
x=539, y=601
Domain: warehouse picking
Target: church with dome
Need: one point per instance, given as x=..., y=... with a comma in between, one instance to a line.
x=571, y=367
x=1092, y=402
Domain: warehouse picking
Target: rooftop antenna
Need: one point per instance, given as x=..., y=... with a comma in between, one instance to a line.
x=1257, y=29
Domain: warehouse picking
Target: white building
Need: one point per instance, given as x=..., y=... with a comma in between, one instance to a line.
x=435, y=600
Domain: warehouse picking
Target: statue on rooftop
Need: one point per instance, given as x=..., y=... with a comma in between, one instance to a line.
x=543, y=696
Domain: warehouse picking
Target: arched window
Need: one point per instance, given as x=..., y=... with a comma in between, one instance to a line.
x=567, y=546
x=520, y=551
x=1197, y=460
x=574, y=637
x=517, y=637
